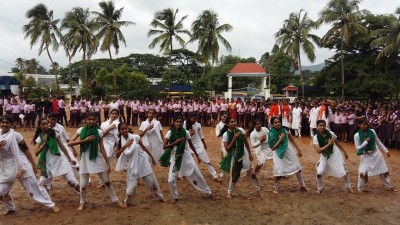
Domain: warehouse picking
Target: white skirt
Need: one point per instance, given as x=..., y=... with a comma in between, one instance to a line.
x=289, y=165
x=334, y=166
x=373, y=164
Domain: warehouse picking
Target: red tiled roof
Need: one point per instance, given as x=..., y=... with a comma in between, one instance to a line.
x=290, y=88
x=247, y=68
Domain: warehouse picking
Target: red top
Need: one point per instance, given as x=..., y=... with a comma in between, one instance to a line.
x=54, y=106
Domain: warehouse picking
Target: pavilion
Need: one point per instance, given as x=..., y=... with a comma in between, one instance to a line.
x=249, y=70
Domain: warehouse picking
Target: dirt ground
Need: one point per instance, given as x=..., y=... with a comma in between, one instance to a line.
x=334, y=206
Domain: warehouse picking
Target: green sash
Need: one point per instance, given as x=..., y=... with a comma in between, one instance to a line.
x=52, y=145
x=273, y=138
x=371, y=144
x=322, y=141
x=237, y=153
x=180, y=149
x=92, y=145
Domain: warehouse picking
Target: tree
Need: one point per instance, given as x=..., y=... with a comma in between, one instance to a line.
x=43, y=28
x=207, y=30
x=295, y=36
x=167, y=28
x=109, y=24
x=173, y=76
x=388, y=37
x=80, y=36
x=343, y=15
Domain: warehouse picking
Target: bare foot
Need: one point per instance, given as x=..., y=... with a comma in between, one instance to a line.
x=217, y=179
x=174, y=201
x=275, y=192
x=211, y=196
x=55, y=209
x=123, y=205
x=229, y=196
x=81, y=206
x=350, y=190
x=9, y=212
x=161, y=200
x=318, y=191
x=393, y=189
x=303, y=189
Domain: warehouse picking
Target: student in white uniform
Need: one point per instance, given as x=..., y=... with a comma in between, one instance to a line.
x=238, y=158
x=372, y=163
x=110, y=133
x=54, y=159
x=133, y=158
x=218, y=133
x=199, y=143
x=93, y=158
x=331, y=160
x=14, y=156
x=296, y=119
x=285, y=160
x=178, y=156
x=151, y=132
x=313, y=118
x=259, y=142
x=64, y=138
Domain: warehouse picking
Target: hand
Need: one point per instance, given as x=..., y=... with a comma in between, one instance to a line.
x=108, y=169
x=112, y=126
x=192, y=132
x=179, y=140
x=299, y=154
x=153, y=161
x=205, y=147
x=35, y=169
x=282, y=136
x=198, y=160
x=251, y=158
x=346, y=156
x=2, y=143
x=236, y=136
x=263, y=138
x=72, y=162
x=150, y=127
x=367, y=139
x=90, y=138
x=331, y=141
x=128, y=143
x=388, y=154
x=20, y=173
x=45, y=136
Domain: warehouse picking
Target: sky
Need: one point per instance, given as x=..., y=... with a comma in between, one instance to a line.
x=254, y=24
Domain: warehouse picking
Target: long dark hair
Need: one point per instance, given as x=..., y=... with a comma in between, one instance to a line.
x=50, y=131
x=119, y=132
x=188, y=121
x=252, y=127
x=226, y=126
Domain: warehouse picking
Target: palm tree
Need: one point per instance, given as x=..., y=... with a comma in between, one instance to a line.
x=109, y=24
x=344, y=16
x=43, y=28
x=388, y=37
x=167, y=28
x=207, y=30
x=20, y=63
x=295, y=36
x=80, y=36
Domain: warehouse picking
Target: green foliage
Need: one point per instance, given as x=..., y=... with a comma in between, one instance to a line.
x=280, y=66
x=173, y=76
x=200, y=87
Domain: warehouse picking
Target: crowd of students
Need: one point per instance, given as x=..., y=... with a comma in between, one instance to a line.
x=269, y=125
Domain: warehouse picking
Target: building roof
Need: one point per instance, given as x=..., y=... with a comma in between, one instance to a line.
x=8, y=80
x=247, y=70
x=290, y=88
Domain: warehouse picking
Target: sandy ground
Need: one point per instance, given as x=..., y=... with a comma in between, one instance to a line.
x=334, y=206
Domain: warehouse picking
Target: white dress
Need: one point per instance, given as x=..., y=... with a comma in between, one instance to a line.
x=285, y=120
x=87, y=166
x=371, y=163
x=296, y=118
x=110, y=139
x=188, y=163
x=152, y=138
x=313, y=117
x=133, y=159
x=56, y=165
x=64, y=137
x=218, y=130
x=334, y=166
x=262, y=150
x=288, y=165
x=197, y=143
x=246, y=161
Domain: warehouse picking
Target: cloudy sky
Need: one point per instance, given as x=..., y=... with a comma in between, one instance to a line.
x=254, y=22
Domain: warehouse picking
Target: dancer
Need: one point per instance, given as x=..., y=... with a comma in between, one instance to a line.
x=238, y=158
x=285, y=160
x=199, y=143
x=218, y=133
x=331, y=160
x=178, y=157
x=110, y=134
x=372, y=162
x=151, y=131
x=93, y=158
x=259, y=142
x=133, y=158
x=14, y=156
